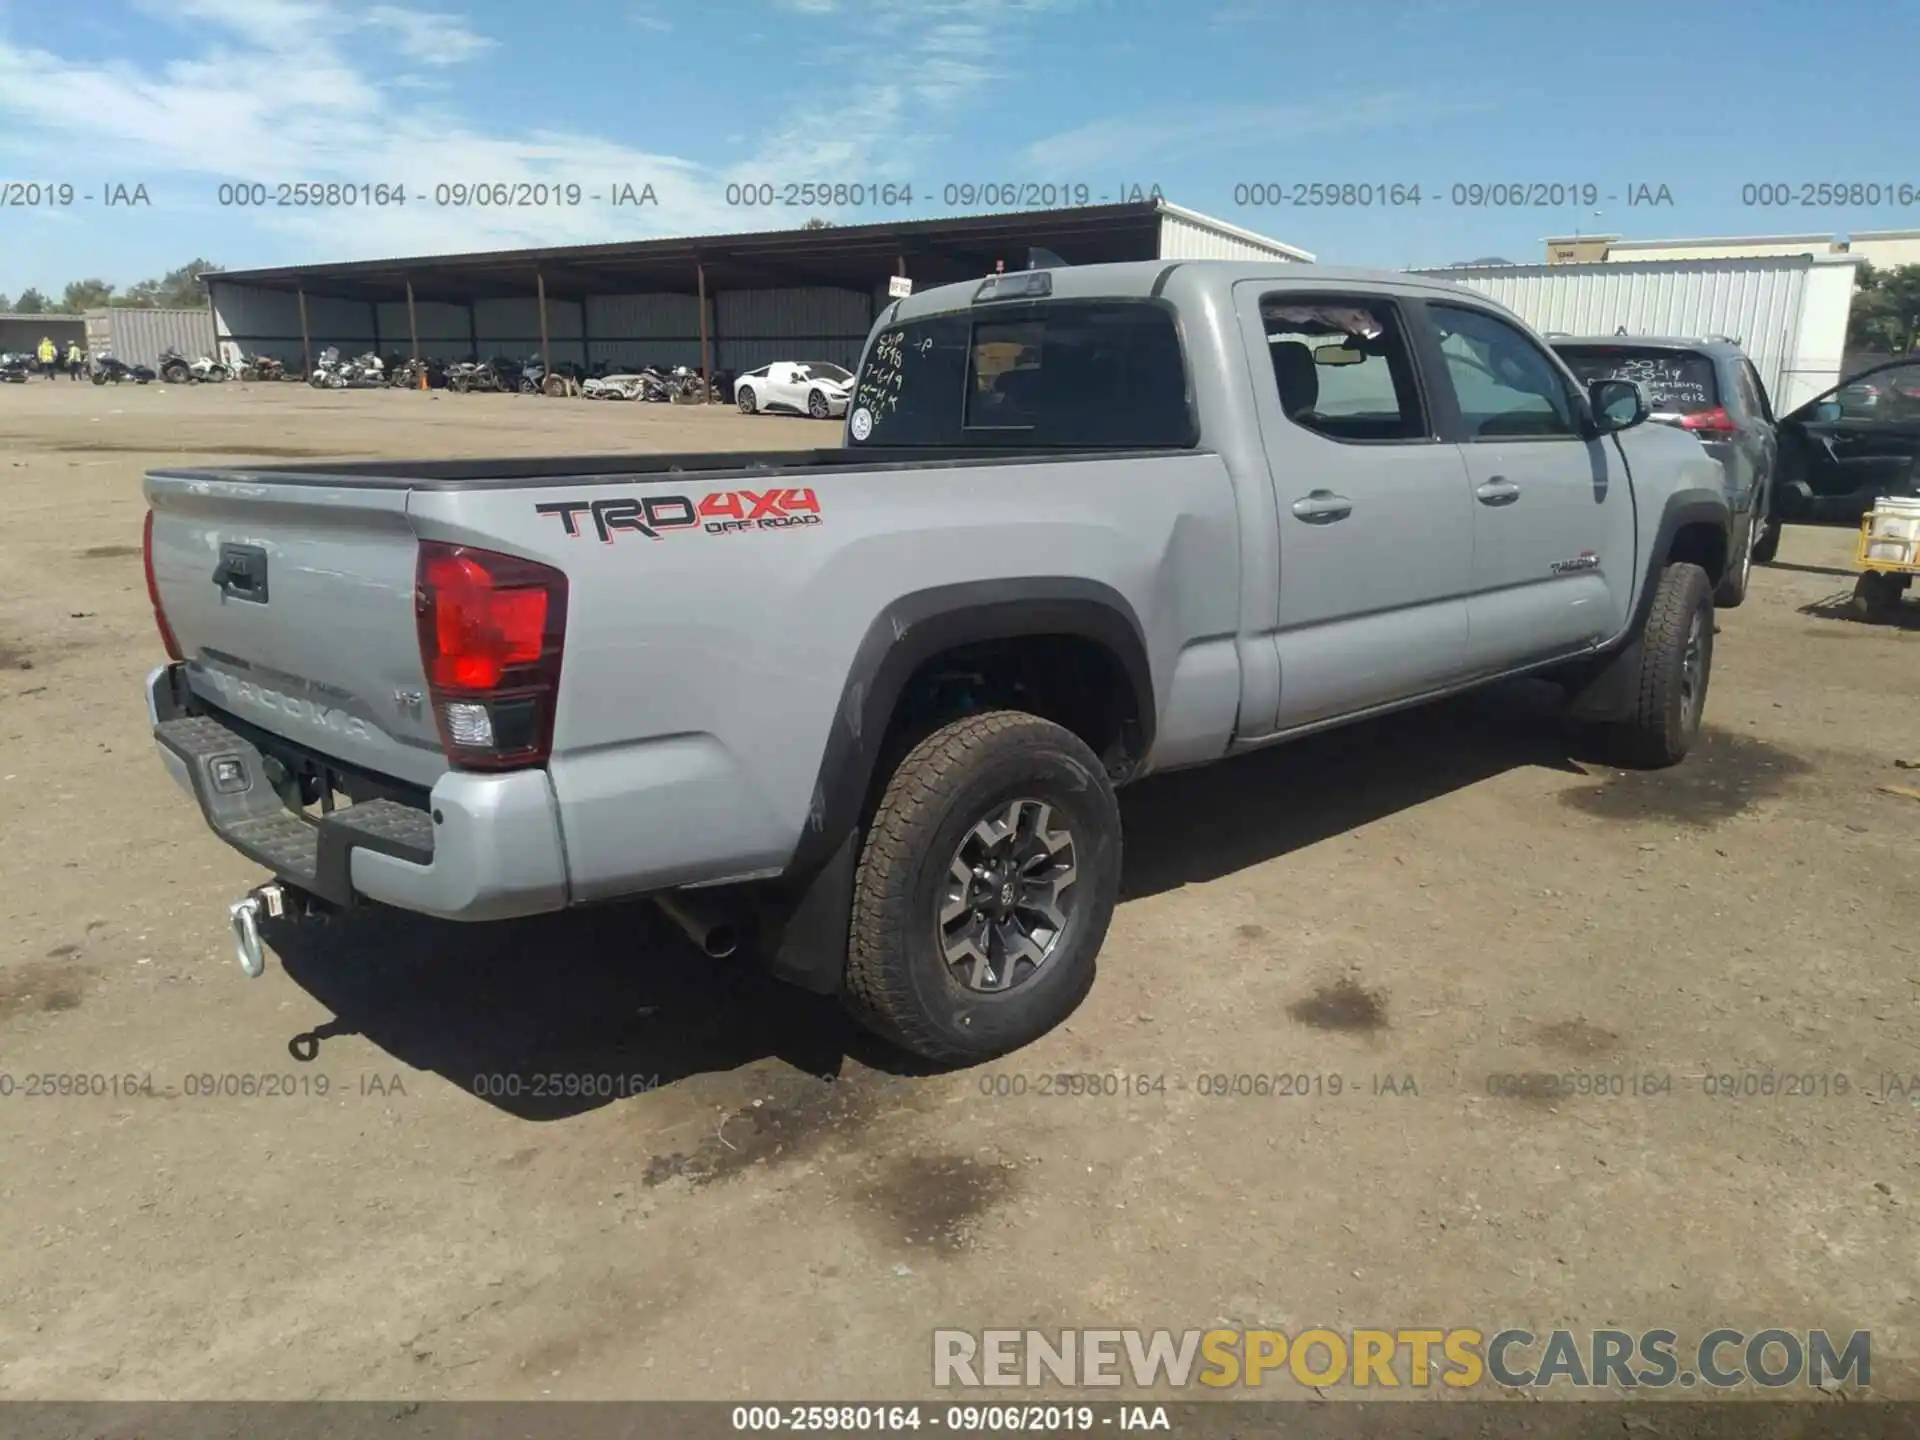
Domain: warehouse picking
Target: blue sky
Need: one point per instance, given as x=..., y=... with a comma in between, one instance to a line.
x=1197, y=96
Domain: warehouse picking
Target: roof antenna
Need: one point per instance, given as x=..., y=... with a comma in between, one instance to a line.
x=1039, y=259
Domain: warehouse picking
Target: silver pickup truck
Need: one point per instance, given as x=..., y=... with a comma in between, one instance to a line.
x=863, y=710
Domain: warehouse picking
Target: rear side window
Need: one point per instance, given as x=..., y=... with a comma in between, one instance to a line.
x=1676, y=381
x=1341, y=367
x=1073, y=374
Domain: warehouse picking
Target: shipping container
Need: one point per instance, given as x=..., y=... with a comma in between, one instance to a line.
x=138, y=336
x=1787, y=312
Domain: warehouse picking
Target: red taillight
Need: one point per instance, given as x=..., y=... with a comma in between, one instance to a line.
x=153, y=592
x=1714, y=424
x=491, y=631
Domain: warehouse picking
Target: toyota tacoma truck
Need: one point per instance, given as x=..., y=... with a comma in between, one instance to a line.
x=863, y=710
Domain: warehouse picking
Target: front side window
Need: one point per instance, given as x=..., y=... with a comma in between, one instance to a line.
x=1341, y=367
x=1074, y=374
x=1506, y=387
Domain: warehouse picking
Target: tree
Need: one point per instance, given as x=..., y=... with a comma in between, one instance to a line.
x=84, y=295
x=5, y=304
x=1886, y=310
x=816, y=223
x=182, y=289
x=31, y=302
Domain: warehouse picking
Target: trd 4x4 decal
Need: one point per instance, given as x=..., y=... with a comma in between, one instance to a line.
x=723, y=512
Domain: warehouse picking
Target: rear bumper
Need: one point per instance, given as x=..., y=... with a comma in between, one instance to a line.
x=488, y=848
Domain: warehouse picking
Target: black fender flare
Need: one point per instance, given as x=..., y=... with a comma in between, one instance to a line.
x=816, y=888
x=1695, y=505
x=1607, y=688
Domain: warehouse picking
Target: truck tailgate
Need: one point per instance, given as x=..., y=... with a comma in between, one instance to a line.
x=294, y=607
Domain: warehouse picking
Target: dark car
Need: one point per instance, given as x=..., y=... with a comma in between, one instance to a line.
x=1844, y=449
x=1710, y=388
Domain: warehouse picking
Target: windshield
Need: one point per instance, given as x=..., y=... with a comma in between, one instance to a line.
x=1079, y=374
x=1678, y=381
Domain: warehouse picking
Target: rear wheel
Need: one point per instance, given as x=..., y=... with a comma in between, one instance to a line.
x=175, y=374
x=1676, y=662
x=1732, y=589
x=986, y=883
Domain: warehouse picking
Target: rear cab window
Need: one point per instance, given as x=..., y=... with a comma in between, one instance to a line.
x=1074, y=374
x=1677, y=382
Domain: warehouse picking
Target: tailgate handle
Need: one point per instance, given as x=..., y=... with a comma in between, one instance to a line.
x=242, y=573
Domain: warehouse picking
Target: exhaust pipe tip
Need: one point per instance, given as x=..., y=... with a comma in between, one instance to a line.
x=716, y=937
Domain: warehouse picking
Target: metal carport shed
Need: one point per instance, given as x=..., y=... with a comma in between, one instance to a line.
x=730, y=302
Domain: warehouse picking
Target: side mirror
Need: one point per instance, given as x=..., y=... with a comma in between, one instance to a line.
x=1617, y=405
x=1828, y=411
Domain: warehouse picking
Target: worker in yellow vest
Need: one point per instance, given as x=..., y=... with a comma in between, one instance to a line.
x=46, y=354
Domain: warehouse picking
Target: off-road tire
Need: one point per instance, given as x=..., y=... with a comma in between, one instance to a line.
x=1663, y=723
x=897, y=981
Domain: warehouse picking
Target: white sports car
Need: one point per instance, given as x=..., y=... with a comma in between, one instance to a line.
x=814, y=388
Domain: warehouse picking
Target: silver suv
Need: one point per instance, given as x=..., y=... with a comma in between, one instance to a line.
x=1709, y=388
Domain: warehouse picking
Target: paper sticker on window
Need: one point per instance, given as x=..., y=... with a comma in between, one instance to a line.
x=862, y=423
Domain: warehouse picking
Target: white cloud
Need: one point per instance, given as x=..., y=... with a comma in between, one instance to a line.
x=649, y=15
x=287, y=90
x=274, y=97
x=429, y=36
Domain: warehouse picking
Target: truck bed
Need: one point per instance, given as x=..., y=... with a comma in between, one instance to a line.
x=529, y=471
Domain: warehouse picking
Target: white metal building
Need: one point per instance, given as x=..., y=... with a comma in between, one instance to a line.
x=728, y=302
x=1788, y=312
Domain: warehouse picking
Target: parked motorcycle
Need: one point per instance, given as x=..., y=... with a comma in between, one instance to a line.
x=108, y=370
x=406, y=375
x=209, y=371
x=262, y=367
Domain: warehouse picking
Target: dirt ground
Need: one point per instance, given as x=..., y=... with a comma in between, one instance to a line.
x=787, y=1211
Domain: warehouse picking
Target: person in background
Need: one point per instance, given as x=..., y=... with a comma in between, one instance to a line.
x=76, y=360
x=45, y=354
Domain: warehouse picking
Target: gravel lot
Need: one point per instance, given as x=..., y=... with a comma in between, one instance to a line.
x=789, y=1211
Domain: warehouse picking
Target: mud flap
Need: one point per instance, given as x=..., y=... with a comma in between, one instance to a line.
x=805, y=935
x=1606, y=691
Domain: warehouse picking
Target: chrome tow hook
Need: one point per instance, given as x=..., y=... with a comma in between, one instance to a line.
x=246, y=914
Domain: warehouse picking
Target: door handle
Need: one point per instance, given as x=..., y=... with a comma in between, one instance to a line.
x=1322, y=507
x=1497, y=491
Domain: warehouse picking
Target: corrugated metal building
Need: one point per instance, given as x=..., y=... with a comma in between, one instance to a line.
x=1788, y=312
x=21, y=334
x=733, y=302
x=138, y=335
